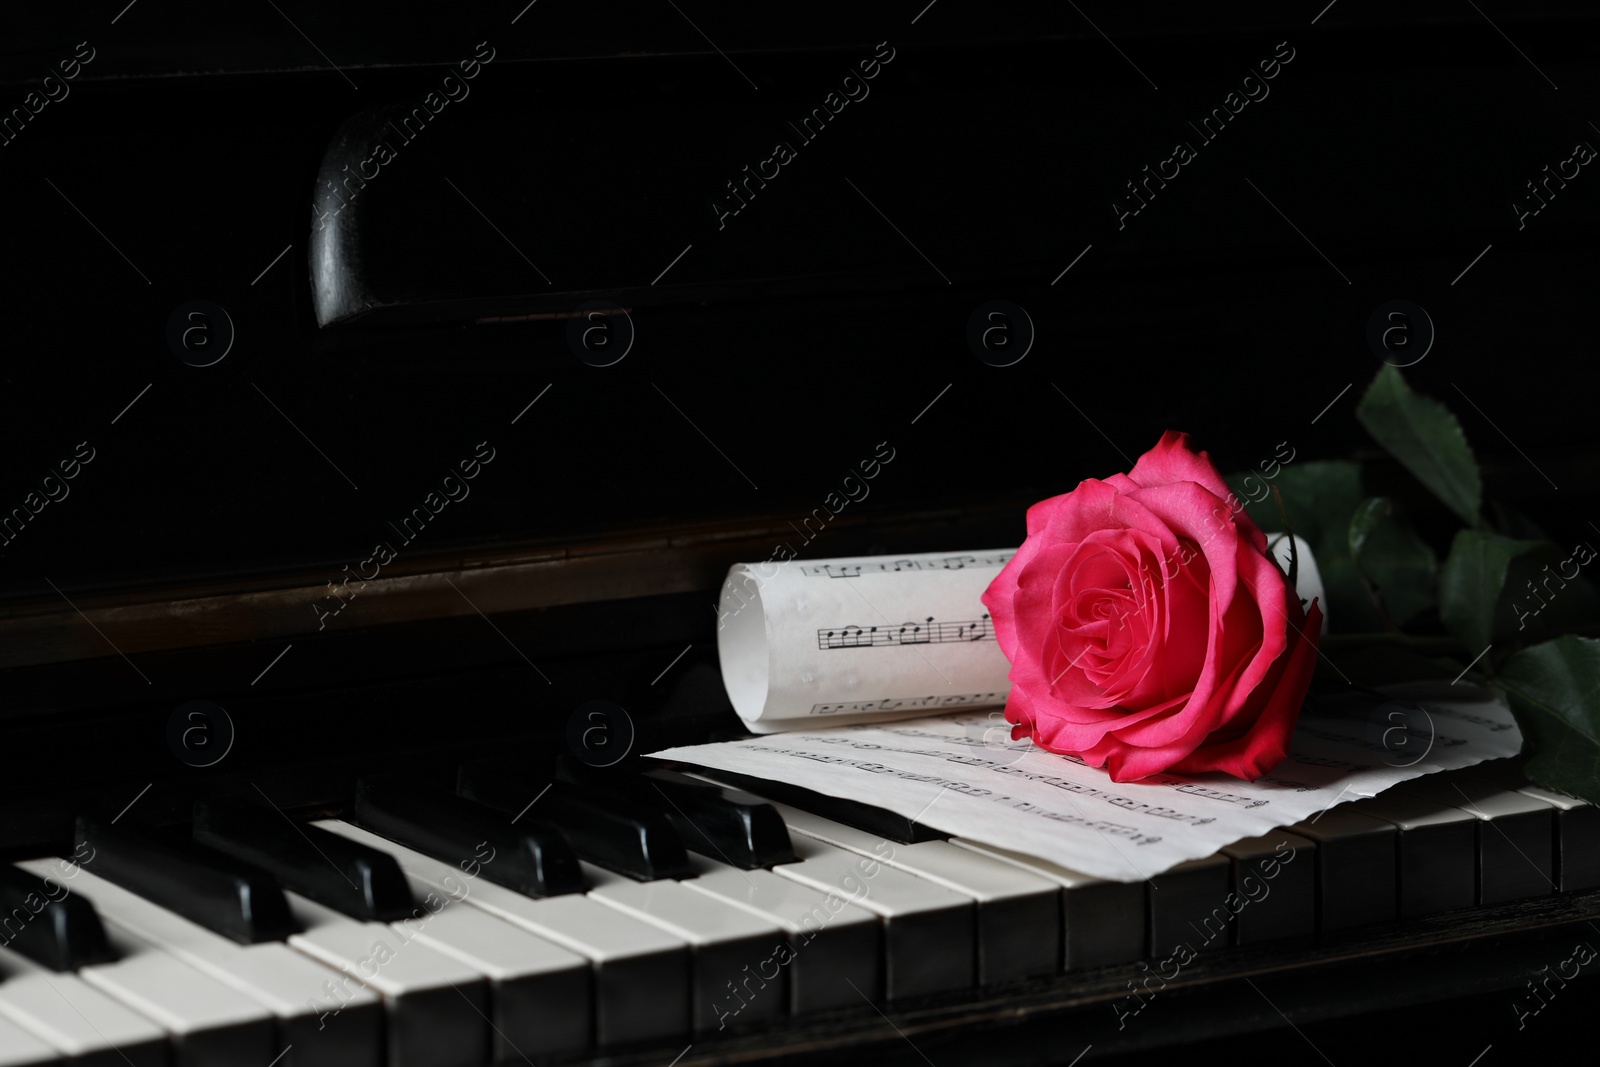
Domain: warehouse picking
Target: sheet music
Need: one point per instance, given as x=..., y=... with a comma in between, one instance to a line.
x=859, y=639
x=961, y=774
x=876, y=637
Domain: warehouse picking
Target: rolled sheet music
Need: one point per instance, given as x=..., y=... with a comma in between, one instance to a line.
x=829, y=642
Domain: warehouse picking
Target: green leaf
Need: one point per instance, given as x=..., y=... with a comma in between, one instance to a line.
x=1319, y=499
x=1554, y=691
x=1498, y=589
x=1390, y=555
x=1421, y=433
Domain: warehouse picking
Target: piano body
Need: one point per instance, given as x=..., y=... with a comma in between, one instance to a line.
x=428, y=491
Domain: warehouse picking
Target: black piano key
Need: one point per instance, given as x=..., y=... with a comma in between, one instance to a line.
x=1274, y=887
x=235, y=899
x=1436, y=852
x=361, y=882
x=45, y=921
x=530, y=857
x=727, y=824
x=1188, y=906
x=613, y=832
x=878, y=821
x=1356, y=868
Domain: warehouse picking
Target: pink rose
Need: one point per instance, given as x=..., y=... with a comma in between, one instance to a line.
x=1147, y=628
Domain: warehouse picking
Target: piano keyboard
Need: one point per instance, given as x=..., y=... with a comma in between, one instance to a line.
x=428, y=930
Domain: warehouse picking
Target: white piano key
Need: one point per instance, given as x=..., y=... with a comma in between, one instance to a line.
x=1018, y=912
x=640, y=972
x=1516, y=848
x=1102, y=922
x=436, y=1008
x=929, y=944
x=1437, y=851
x=75, y=1018
x=273, y=975
x=209, y=1024
x=539, y=992
x=728, y=947
x=834, y=947
x=1577, y=838
x=19, y=1048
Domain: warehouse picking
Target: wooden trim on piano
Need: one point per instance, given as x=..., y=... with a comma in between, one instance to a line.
x=637, y=563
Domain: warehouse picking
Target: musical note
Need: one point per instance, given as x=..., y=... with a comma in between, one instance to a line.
x=926, y=632
x=954, y=700
x=899, y=566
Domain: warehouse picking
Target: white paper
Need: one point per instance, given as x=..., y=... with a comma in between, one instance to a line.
x=851, y=640
x=874, y=638
x=961, y=774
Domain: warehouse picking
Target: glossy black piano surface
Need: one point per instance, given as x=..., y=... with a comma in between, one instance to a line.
x=202, y=610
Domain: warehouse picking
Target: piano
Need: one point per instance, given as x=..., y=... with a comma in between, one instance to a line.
x=402, y=482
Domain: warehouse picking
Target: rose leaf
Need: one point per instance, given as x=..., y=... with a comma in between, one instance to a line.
x=1318, y=499
x=1425, y=437
x=1554, y=691
x=1498, y=589
x=1390, y=555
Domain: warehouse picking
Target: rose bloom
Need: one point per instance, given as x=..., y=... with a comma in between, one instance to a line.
x=1148, y=629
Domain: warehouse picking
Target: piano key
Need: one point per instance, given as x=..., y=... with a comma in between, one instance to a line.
x=279, y=979
x=1102, y=922
x=538, y=992
x=531, y=857
x=1274, y=887
x=640, y=972
x=209, y=1024
x=234, y=899
x=435, y=1007
x=616, y=833
x=929, y=942
x=1437, y=852
x=727, y=946
x=874, y=820
x=19, y=1048
x=361, y=882
x=1577, y=838
x=728, y=824
x=1356, y=868
x=1187, y=905
x=74, y=1018
x=835, y=947
x=1018, y=913
x=1516, y=850
x=43, y=920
